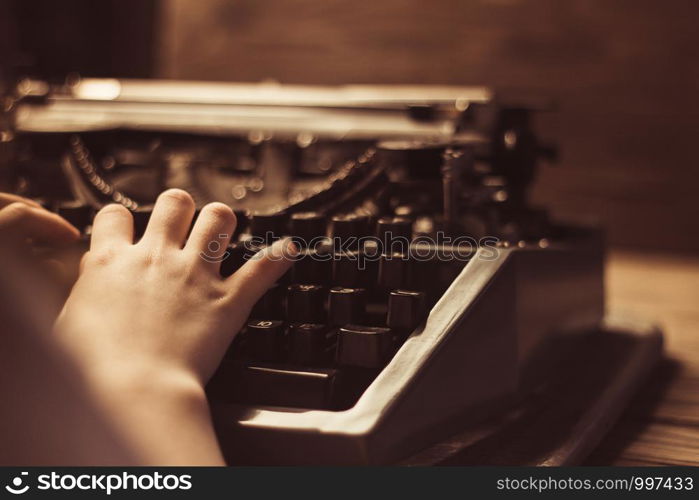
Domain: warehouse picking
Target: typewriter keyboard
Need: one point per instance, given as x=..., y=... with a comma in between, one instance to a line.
x=321, y=334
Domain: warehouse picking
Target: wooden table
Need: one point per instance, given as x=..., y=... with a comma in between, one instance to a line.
x=661, y=425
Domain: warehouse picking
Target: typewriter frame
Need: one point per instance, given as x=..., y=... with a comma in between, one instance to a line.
x=481, y=342
x=486, y=327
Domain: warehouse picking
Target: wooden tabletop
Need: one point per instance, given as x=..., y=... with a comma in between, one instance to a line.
x=661, y=425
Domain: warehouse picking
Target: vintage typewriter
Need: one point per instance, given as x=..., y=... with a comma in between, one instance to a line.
x=430, y=295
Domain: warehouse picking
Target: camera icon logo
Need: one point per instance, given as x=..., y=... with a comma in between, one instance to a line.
x=16, y=487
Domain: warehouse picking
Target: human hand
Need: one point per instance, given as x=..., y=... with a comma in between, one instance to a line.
x=42, y=239
x=157, y=304
x=23, y=222
x=148, y=323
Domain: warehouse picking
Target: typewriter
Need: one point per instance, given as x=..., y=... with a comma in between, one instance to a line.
x=428, y=288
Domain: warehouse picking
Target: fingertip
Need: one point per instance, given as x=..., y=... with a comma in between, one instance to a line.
x=114, y=209
x=67, y=233
x=284, y=248
x=263, y=270
x=178, y=196
x=220, y=209
x=74, y=232
x=291, y=248
x=7, y=198
x=33, y=203
x=220, y=215
x=113, y=224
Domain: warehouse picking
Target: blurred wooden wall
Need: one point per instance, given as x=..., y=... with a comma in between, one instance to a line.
x=625, y=73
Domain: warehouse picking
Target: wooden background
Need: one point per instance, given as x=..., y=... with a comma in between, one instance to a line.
x=624, y=72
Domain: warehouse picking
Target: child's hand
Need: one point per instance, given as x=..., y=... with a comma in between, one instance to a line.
x=148, y=323
x=29, y=232
x=24, y=221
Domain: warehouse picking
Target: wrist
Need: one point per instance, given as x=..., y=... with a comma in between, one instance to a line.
x=147, y=383
x=148, y=407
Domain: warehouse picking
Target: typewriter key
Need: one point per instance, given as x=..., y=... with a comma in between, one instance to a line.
x=364, y=346
x=405, y=309
x=346, y=306
x=305, y=304
x=264, y=339
x=310, y=344
x=307, y=227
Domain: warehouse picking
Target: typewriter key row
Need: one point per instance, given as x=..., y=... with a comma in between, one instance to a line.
x=321, y=353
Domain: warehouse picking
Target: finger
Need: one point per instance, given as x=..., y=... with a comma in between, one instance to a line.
x=19, y=222
x=112, y=226
x=261, y=272
x=170, y=220
x=7, y=198
x=211, y=233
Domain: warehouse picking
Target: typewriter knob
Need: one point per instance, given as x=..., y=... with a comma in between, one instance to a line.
x=346, y=271
x=394, y=271
x=405, y=309
x=264, y=339
x=305, y=304
x=314, y=267
x=346, y=306
x=306, y=227
x=310, y=343
x=348, y=229
x=271, y=305
x=364, y=346
x=392, y=230
x=268, y=226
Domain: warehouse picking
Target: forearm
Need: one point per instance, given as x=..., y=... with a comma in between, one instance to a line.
x=162, y=416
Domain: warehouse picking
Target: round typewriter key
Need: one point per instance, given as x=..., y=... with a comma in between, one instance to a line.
x=405, y=309
x=394, y=271
x=264, y=339
x=362, y=223
x=310, y=343
x=268, y=227
x=347, y=270
x=346, y=306
x=364, y=346
x=347, y=230
x=395, y=234
x=313, y=267
x=307, y=227
x=305, y=304
x=271, y=304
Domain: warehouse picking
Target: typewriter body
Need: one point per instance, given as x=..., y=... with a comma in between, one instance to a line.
x=427, y=289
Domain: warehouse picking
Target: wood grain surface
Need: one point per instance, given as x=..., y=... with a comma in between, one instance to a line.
x=661, y=425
